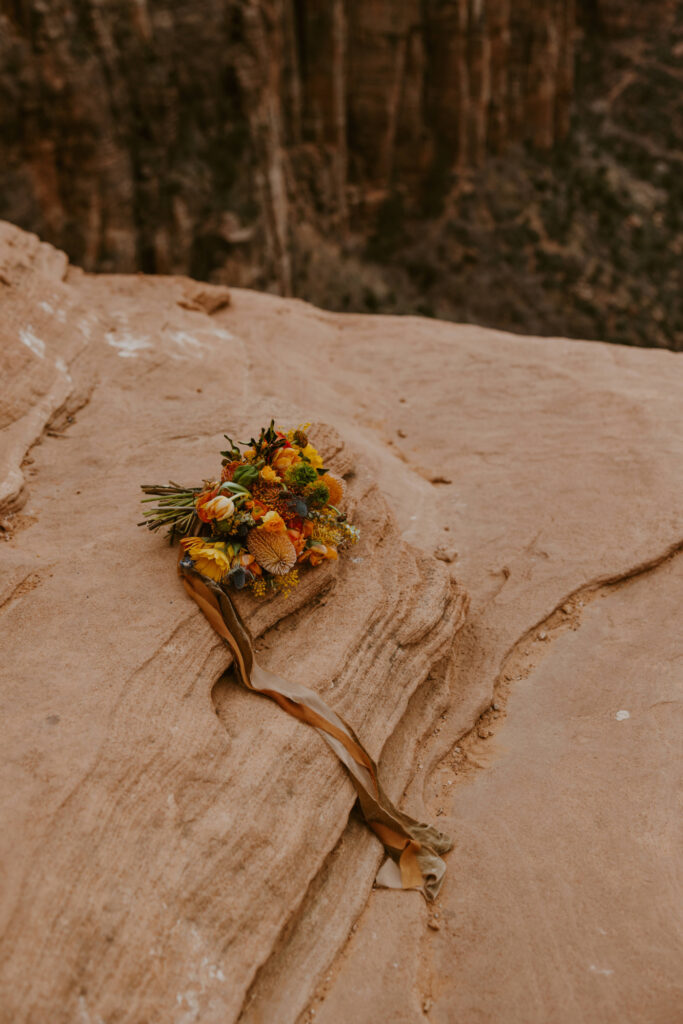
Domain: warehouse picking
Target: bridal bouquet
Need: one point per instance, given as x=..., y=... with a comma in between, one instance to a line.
x=274, y=509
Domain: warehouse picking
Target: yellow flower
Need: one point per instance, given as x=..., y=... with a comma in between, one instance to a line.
x=273, y=523
x=310, y=453
x=335, y=486
x=285, y=458
x=210, y=559
x=269, y=475
x=286, y=584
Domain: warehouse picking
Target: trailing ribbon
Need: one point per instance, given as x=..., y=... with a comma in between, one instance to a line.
x=414, y=849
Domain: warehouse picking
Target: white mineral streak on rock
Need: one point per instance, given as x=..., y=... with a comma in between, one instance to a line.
x=126, y=343
x=186, y=342
x=601, y=970
x=62, y=367
x=32, y=341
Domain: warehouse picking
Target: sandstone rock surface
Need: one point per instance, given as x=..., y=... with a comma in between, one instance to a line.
x=177, y=850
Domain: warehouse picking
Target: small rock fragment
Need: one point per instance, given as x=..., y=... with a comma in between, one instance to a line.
x=207, y=298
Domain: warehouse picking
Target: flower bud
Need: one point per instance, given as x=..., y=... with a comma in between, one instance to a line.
x=219, y=508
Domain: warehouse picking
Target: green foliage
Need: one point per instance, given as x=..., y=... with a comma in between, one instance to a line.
x=231, y=454
x=317, y=494
x=246, y=475
x=268, y=441
x=300, y=475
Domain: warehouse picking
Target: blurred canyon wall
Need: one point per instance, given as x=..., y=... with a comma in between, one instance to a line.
x=194, y=136
x=486, y=160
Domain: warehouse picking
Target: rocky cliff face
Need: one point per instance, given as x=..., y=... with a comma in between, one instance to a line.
x=197, y=137
x=512, y=164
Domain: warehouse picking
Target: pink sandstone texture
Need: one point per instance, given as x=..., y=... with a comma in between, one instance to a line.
x=505, y=638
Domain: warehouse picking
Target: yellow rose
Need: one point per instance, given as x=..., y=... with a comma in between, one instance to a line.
x=210, y=559
x=285, y=458
x=269, y=475
x=310, y=453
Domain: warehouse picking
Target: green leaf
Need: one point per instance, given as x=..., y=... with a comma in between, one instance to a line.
x=245, y=475
x=234, y=488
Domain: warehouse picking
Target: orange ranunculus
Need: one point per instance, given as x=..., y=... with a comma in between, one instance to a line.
x=319, y=553
x=273, y=522
x=297, y=539
x=247, y=561
x=284, y=458
x=203, y=499
x=257, y=508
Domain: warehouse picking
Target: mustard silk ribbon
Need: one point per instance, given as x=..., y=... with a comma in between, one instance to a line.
x=414, y=849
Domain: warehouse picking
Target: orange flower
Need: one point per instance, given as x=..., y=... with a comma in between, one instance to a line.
x=228, y=471
x=285, y=458
x=257, y=508
x=273, y=523
x=335, y=486
x=247, y=561
x=319, y=553
x=204, y=498
x=297, y=539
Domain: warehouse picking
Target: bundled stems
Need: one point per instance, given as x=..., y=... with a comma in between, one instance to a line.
x=175, y=509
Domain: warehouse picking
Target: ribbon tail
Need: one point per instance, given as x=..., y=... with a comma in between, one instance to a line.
x=414, y=849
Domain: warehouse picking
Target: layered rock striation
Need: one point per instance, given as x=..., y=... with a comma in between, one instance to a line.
x=175, y=849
